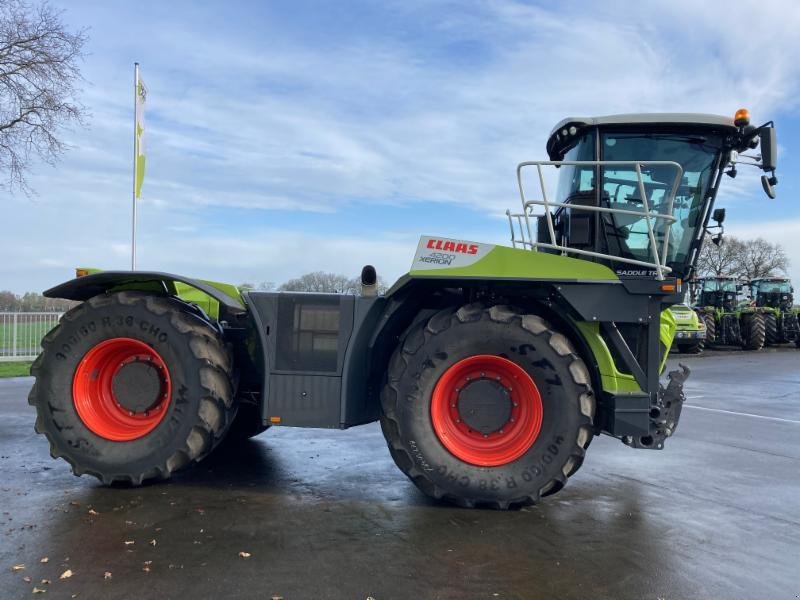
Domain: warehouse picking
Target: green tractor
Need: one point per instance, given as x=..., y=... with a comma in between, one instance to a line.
x=775, y=297
x=690, y=330
x=490, y=368
x=728, y=321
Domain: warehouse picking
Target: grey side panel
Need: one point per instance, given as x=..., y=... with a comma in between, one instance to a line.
x=83, y=288
x=305, y=338
x=305, y=400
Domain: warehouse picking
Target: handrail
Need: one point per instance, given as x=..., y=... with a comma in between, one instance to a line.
x=650, y=218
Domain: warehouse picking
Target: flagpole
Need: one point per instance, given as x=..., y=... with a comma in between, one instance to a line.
x=133, y=223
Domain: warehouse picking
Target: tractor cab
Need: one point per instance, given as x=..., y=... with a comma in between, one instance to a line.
x=719, y=292
x=634, y=192
x=773, y=292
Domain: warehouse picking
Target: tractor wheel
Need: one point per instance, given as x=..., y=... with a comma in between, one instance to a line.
x=131, y=386
x=772, y=335
x=711, y=327
x=753, y=331
x=487, y=406
x=691, y=348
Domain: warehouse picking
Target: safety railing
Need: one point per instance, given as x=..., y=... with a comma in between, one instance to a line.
x=521, y=222
x=21, y=333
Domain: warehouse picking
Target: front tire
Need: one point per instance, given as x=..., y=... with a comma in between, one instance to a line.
x=692, y=348
x=772, y=335
x=753, y=331
x=131, y=386
x=487, y=406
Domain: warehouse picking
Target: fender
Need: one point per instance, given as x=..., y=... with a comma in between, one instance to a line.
x=83, y=288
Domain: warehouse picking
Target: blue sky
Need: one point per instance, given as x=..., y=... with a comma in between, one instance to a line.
x=285, y=137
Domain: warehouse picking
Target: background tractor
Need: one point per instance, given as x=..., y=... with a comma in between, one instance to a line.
x=490, y=368
x=728, y=321
x=690, y=330
x=774, y=296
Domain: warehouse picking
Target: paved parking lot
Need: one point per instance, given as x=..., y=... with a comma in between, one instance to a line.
x=325, y=514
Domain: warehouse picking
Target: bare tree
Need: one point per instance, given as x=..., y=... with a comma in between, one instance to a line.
x=264, y=286
x=719, y=260
x=39, y=72
x=760, y=258
x=748, y=259
x=318, y=281
x=322, y=282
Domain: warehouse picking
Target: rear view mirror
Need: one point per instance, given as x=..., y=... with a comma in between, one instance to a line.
x=718, y=215
x=769, y=149
x=766, y=183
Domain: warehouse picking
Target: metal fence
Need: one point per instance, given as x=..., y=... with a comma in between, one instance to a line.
x=22, y=332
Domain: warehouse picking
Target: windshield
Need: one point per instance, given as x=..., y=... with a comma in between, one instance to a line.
x=719, y=285
x=772, y=287
x=627, y=235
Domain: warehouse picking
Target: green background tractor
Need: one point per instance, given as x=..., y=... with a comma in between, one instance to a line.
x=775, y=297
x=490, y=368
x=690, y=330
x=728, y=321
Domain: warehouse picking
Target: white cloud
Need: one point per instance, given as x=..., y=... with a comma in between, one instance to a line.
x=284, y=123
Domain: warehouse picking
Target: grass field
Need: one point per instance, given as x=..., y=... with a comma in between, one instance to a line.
x=15, y=369
x=29, y=334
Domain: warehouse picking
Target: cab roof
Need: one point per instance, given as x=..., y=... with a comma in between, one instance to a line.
x=649, y=118
x=564, y=133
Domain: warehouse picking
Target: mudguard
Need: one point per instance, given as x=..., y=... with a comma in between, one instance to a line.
x=83, y=288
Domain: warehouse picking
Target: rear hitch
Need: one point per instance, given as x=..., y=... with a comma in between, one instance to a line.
x=664, y=413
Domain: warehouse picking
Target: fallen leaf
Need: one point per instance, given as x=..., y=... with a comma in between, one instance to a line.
x=107, y=575
x=45, y=582
x=37, y=590
x=244, y=554
x=26, y=579
x=148, y=562
x=66, y=574
x=74, y=503
x=93, y=512
x=146, y=569
x=44, y=560
x=153, y=542
x=129, y=542
x=17, y=568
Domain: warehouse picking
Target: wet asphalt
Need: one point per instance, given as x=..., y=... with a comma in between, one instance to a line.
x=326, y=514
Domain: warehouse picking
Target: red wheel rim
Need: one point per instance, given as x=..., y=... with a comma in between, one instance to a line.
x=96, y=401
x=508, y=442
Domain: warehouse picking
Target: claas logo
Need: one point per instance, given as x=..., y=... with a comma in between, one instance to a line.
x=448, y=246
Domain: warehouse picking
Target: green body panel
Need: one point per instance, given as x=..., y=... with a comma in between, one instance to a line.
x=611, y=379
x=502, y=262
x=185, y=292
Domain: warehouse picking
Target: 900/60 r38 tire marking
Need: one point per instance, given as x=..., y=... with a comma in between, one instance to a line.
x=434, y=348
x=196, y=376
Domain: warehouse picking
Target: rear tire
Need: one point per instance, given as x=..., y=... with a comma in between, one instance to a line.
x=474, y=473
x=753, y=331
x=196, y=366
x=772, y=335
x=711, y=327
